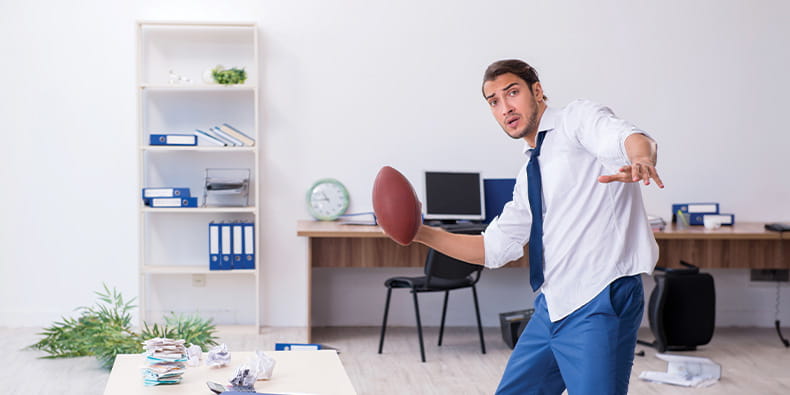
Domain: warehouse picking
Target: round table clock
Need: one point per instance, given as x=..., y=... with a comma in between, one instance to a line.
x=327, y=199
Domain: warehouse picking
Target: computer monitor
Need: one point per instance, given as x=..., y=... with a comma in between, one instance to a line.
x=454, y=196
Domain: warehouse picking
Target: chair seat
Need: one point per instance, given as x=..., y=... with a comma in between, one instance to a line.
x=419, y=284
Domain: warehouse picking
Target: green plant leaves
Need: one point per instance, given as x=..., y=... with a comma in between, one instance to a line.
x=228, y=76
x=104, y=330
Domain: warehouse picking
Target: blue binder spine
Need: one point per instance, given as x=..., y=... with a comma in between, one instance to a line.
x=238, y=246
x=226, y=245
x=214, y=240
x=297, y=346
x=723, y=219
x=248, y=258
x=173, y=139
x=694, y=208
x=168, y=192
x=173, y=202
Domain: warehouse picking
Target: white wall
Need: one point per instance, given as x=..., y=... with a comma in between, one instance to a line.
x=349, y=86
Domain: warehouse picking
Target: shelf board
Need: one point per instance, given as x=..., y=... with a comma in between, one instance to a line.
x=163, y=269
x=249, y=86
x=198, y=209
x=203, y=148
x=208, y=24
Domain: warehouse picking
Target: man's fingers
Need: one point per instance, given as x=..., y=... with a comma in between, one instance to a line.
x=635, y=176
x=633, y=173
x=622, y=177
x=657, y=178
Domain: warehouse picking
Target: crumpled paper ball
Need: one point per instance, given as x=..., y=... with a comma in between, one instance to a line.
x=218, y=356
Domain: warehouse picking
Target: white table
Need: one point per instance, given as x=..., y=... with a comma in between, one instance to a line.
x=303, y=372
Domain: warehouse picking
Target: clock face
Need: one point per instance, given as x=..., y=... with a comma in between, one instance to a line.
x=327, y=199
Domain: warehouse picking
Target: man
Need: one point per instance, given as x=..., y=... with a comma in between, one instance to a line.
x=578, y=204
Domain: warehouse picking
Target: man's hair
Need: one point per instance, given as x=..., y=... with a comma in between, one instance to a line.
x=514, y=66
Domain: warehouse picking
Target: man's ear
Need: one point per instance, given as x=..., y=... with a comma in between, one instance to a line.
x=537, y=91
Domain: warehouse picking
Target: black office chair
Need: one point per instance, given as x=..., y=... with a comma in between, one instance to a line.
x=442, y=274
x=682, y=309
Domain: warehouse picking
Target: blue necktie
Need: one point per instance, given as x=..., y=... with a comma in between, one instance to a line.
x=535, y=193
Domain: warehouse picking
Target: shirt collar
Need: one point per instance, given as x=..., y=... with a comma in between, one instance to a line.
x=547, y=123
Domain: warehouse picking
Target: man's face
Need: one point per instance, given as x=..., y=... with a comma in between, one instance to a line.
x=514, y=104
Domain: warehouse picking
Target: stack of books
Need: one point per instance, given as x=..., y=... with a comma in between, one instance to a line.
x=168, y=197
x=224, y=135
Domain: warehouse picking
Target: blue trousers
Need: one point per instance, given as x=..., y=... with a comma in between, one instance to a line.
x=591, y=351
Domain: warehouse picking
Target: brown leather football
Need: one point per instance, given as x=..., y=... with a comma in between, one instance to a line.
x=397, y=208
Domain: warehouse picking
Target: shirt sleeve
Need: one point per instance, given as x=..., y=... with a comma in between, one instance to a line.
x=600, y=132
x=506, y=235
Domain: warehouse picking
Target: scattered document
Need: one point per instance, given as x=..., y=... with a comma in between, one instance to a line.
x=218, y=356
x=366, y=218
x=685, y=371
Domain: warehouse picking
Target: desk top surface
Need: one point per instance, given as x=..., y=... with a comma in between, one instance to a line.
x=739, y=231
x=315, y=372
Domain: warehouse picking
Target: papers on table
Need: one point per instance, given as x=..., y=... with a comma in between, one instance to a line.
x=685, y=371
x=218, y=356
x=165, y=359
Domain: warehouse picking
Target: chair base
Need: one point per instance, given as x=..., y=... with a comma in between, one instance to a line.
x=419, y=322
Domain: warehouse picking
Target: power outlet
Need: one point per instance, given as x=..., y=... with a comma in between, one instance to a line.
x=198, y=280
x=772, y=275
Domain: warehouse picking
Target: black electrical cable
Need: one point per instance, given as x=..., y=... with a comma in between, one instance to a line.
x=777, y=323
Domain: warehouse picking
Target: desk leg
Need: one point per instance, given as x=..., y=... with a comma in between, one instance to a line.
x=309, y=301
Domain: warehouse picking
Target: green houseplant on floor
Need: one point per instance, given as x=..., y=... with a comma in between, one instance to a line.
x=104, y=330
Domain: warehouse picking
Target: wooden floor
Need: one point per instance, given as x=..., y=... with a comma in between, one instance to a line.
x=753, y=362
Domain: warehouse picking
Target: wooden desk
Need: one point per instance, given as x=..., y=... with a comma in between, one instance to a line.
x=315, y=372
x=745, y=245
x=334, y=245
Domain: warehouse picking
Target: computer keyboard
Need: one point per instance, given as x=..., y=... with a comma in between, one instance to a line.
x=464, y=227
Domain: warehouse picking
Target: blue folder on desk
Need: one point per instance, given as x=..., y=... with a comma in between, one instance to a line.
x=694, y=208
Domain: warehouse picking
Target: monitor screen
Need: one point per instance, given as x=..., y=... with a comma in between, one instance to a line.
x=453, y=196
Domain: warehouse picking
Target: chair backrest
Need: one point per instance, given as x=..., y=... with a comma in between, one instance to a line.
x=682, y=308
x=443, y=266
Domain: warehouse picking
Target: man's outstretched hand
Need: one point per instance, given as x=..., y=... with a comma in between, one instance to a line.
x=642, y=170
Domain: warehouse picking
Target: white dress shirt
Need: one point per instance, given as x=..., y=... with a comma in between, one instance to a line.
x=593, y=233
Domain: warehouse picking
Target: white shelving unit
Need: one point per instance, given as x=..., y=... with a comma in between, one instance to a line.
x=174, y=257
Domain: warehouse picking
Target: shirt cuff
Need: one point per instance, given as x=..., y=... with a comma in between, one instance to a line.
x=499, y=249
